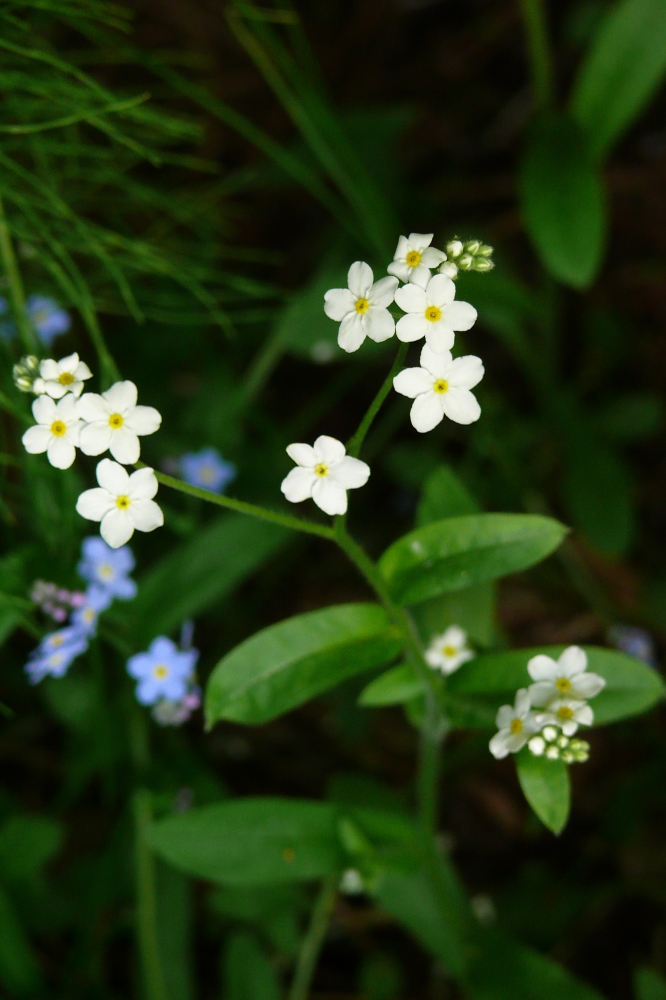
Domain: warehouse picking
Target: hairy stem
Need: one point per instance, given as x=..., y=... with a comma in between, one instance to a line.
x=354, y=444
x=313, y=940
x=16, y=293
x=538, y=47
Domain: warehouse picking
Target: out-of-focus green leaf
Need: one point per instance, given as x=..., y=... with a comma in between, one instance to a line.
x=562, y=200
x=396, y=686
x=27, y=843
x=444, y=495
x=380, y=978
x=287, y=664
x=631, y=416
x=597, y=490
x=461, y=551
x=19, y=973
x=174, y=930
x=649, y=985
x=547, y=788
x=248, y=974
x=271, y=909
x=625, y=65
x=303, y=327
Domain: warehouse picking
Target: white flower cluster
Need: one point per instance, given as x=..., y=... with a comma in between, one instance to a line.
x=548, y=713
x=95, y=423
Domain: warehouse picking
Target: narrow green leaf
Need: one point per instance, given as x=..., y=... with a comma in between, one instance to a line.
x=397, y=685
x=649, y=985
x=621, y=72
x=19, y=973
x=444, y=495
x=562, y=201
x=461, y=551
x=287, y=664
x=597, y=489
x=547, y=788
x=248, y=974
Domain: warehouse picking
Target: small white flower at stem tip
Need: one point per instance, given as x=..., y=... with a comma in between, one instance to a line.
x=414, y=258
x=516, y=724
x=441, y=388
x=324, y=472
x=449, y=650
x=432, y=313
x=122, y=503
x=568, y=714
x=565, y=678
x=361, y=308
x=113, y=421
x=60, y=377
x=57, y=431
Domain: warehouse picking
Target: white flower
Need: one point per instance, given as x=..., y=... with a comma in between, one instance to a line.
x=324, y=473
x=113, y=421
x=566, y=678
x=441, y=388
x=122, y=503
x=568, y=714
x=414, y=257
x=432, y=313
x=361, y=308
x=449, y=650
x=60, y=377
x=516, y=725
x=57, y=431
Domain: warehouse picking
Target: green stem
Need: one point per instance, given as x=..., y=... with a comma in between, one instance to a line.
x=538, y=47
x=16, y=293
x=355, y=443
x=108, y=369
x=146, y=899
x=314, y=938
x=431, y=736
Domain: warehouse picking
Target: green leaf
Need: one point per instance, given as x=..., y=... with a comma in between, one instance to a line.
x=597, y=489
x=19, y=973
x=175, y=931
x=248, y=974
x=273, y=910
x=27, y=843
x=287, y=664
x=547, y=788
x=493, y=679
x=622, y=70
x=649, y=985
x=562, y=201
x=444, y=495
x=397, y=685
x=461, y=551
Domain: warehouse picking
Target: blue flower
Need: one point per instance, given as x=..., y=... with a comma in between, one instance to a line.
x=48, y=318
x=162, y=672
x=85, y=618
x=108, y=568
x=207, y=470
x=635, y=641
x=55, y=653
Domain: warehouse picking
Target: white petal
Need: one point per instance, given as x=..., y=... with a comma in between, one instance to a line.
x=142, y=485
x=49, y=369
x=146, y=515
x=70, y=363
x=302, y=454
x=67, y=409
x=124, y=446
x=329, y=450
x=121, y=396
x=411, y=327
x=461, y=406
x=587, y=685
x=419, y=241
x=143, y=420
x=379, y=325
x=438, y=363
x=411, y=299
x=499, y=745
x=426, y=412
x=460, y=315
x=351, y=333
x=402, y=248
x=116, y=528
x=585, y=716
x=454, y=636
x=44, y=410
x=298, y=485
x=439, y=336
x=419, y=275
x=572, y=661
x=431, y=257
x=400, y=269
x=359, y=279
x=96, y=437
x=543, y=668
x=36, y=439
x=516, y=741
x=60, y=452
x=82, y=372
x=113, y=477
x=382, y=292
x=505, y=717
x=542, y=693
x=350, y=473
x=412, y=382
x=330, y=498
x=338, y=302
x=93, y=407
x=95, y=504
x=440, y=291
x=522, y=701
x=466, y=372
x=55, y=390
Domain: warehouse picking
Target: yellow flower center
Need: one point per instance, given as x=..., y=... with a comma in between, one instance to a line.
x=66, y=378
x=116, y=421
x=565, y=713
x=449, y=650
x=55, y=659
x=362, y=306
x=207, y=474
x=105, y=572
x=441, y=386
x=413, y=258
x=321, y=470
x=563, y=684
x=123, y=502
x=161, y=671
x=58, y=428
x=57, y=640
x=88, y=615
x=433, y=314
x=516, y=726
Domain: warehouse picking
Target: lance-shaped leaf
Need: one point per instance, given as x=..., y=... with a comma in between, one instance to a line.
x=460, y=551
x=547, y=788
x=394, y=687
x=287, y=664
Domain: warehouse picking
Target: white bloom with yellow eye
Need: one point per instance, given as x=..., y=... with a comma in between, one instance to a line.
x=441, y=388
x=325, y=473
x=361, y=308
x=57, y=431
x=122, y=503
x=564, y=678
x=60, y=377
x=414, y=258
x=432, y=313
x=516, y=724
x=113, y=421
x=449, y=650
x=568, y=714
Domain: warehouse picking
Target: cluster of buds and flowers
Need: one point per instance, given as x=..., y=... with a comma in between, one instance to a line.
x=55, y=601
x=470, y=256
x=548, y=713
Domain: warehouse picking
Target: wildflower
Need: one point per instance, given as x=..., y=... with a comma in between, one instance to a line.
x=635, y=641
x=324, y=473
x=122, y=502
x=107, y=568
x=85, y=618
x=57, y=431
x=351, y=883
x=66, y=375
x=55, y=654
x=113, y=421
x=361, y=308
x=516, y=725
x=207, y=470
x=441, y=388
x=567, y=678
x=26, y=374
x=414, y=257
x=162, y=671
x=48, y=318
x=449, y=650
x=432, y=313
x=568, y=714
x=55, y=601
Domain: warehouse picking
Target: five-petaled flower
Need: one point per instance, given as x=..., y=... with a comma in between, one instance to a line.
x=122, y=502
x=107, y=568
x=432, y=313
x=207, y=470
x=566, y=678
x=441, y=388
x=325, y=473
x=449, y=650
x=516, y=725
x=414, y=258
x=48, y=318
x=114, y=421
x=85, y=618
x=60, y=377
x=361, y=309
x=162, y=671
x=57, y=431
x=568, y=714
x=55, y=653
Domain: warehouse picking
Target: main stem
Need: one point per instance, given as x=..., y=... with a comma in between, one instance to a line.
x=538, y=47
x=16, y=293
x=354, y=444
x=314, y=938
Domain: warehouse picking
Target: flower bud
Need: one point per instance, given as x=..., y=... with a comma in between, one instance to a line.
x=563, y=742
x=482, y=265
x=567, y=756
x=473, y=247
x=454, y=248
x=550, y=734
x=537, y=745
x=465, y=262
x=485, y=250
x=26, y=375
x=552, y=753
x=449, y=269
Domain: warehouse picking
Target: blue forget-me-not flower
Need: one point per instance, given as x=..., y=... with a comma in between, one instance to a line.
x=85, y=618
x=48, y=318
x=207, y=470
x=55, y=653
x=162, y=671
x=108, y=568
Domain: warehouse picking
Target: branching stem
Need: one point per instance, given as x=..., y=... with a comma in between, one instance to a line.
x=354, y=444
x=538, y=47
x=313, y=940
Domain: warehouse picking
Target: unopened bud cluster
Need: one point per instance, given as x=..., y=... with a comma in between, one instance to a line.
x=554, y=745
x=470, y=256
x=26, y=375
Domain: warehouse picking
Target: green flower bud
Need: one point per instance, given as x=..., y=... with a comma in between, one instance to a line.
x=549, y=734
x=473, y=247
x=552, y=752
x=465, y=262
x=482, y=265
x=454, y=248
x=485, y=251
x=25, y=373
